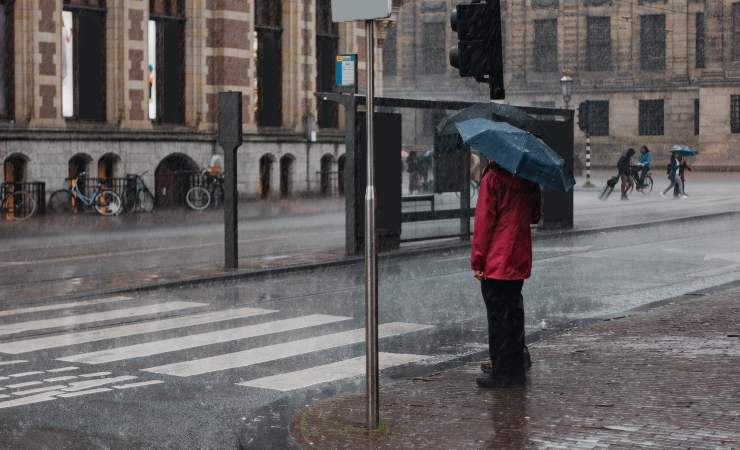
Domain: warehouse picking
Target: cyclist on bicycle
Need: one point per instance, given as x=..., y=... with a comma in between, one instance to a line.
x=646, y=159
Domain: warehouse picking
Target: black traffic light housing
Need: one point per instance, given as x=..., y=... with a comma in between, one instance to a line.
x=583, y=116
x=479, y=51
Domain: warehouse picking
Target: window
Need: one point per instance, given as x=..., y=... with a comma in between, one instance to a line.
x=6, y=59
x=546, y=45
x=735, y=113
x=736, y=31
x=696, y=117
x=599, y=43
x=166, y=64
x=269, y=53
x=652, y=42
x=699, y=44
x=598, y=118
x=327, y=47
x=390, y=54
x=83, y=60
x=651, y=118
x=434, y=53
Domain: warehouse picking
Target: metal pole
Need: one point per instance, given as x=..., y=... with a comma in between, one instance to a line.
x=231, y=208
x=371, y=250
x=588, y=161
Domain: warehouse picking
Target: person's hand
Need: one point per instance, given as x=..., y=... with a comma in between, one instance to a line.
x=478, y=275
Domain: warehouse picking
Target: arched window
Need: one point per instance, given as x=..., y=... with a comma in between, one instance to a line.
x=78, y=164
x=15, y=168
x=327, y=47
x=6, y=60
x=166, y=62
x=83, y=59
x=108, y=166
x=269, y=55
x=327, y=166
x=172, y=180
x=286, y=175
x=266, y=163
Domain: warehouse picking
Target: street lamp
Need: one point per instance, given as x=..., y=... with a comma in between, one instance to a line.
x=566, y=86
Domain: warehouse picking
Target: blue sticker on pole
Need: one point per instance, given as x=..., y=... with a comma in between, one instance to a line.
x=346, y=69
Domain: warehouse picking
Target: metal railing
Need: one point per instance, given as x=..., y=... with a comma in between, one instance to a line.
x=36, y=188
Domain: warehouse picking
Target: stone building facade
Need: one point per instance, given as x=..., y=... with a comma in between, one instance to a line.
x=130, y=86
x=656, y=72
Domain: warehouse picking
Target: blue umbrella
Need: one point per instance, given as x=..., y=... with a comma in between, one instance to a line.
x=684, y=150
x=518, y=152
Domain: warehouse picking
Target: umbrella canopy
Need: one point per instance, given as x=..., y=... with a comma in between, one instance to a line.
x=684, y=150
x=518, y=152
x=496, y=111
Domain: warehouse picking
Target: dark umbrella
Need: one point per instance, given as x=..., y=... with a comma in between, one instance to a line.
x=518, y=152
x=491, y=111
x=684, y=150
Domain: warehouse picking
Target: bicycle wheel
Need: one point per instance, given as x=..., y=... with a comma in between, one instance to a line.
x=647, y=187
x=60, y=202
x=24, y=205
x=146, y=201
x=198, y=198
x=107, y=203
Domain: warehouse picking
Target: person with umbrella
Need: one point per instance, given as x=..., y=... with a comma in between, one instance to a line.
x=624, y=165
x=674, y=175
x=501, y=254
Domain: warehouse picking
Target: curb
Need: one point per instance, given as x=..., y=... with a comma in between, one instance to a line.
x=397, y=254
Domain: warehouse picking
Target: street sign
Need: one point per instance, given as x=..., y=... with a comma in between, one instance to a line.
x=349, y=10
x=346, y=72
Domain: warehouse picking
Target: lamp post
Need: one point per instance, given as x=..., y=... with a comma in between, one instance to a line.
x=566, y=86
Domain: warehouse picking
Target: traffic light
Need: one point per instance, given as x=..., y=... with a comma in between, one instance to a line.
x=583, y=117
x=479, y=51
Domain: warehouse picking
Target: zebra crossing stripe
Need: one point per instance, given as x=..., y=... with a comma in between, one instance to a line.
x=63, y=369
x=349, y=368
x=37, y=390
x=139, y=384
x=275, y=352
x=203, y=339
x=71, y=321
x=81, y=393
x=10, y=363
x=29, y=400
x=58, y=306
x=82, y=337
x=84, y=385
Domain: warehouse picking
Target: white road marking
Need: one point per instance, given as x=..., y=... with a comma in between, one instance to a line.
x=57, y=379
x=329, y=372
x=26, y=384
x=279, y=351
x=8, y=363
x=82, y=385
x=24, y=374
x=29, y=400
x=200, y=340
x=70, y=321
x=41, y=389
x=96, y=374
x=63, y=369
x=4, y=378
x=4, y=396
x=139, y=384
x=64, y=340
x=81, y=393
x=33, y=309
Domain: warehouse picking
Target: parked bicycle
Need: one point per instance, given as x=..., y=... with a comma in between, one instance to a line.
x=105, y=201
x=20, y=205
x=136, y=196
x=211, y=192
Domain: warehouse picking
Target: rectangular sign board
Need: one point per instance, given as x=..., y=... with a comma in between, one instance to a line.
x=346, y=71
x=349, y=10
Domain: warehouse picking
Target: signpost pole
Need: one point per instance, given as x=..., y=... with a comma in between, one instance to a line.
x=371, y=249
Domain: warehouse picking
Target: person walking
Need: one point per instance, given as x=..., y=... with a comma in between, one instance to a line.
x=501, y=259
x=624, y=165
x=683, y=166
x=412, y=166
x=674, y=175
x=646, y=160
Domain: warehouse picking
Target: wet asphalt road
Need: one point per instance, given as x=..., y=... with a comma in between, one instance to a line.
x=190, y=355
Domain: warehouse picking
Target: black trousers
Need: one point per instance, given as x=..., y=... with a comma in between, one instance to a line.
x=505, y=313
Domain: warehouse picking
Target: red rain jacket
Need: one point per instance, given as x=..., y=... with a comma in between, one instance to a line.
x=502, y=241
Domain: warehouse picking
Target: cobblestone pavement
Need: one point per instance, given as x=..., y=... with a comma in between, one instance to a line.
x=664, y=378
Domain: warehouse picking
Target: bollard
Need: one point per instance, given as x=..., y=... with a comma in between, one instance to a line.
x=588, y=162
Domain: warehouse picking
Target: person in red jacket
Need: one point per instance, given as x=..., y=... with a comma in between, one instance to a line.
x=501, y=258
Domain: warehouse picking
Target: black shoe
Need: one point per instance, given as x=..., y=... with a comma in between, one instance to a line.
x=487, y=367
x=494, y=382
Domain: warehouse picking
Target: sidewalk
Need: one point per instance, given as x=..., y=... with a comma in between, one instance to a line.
x=662, y=378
